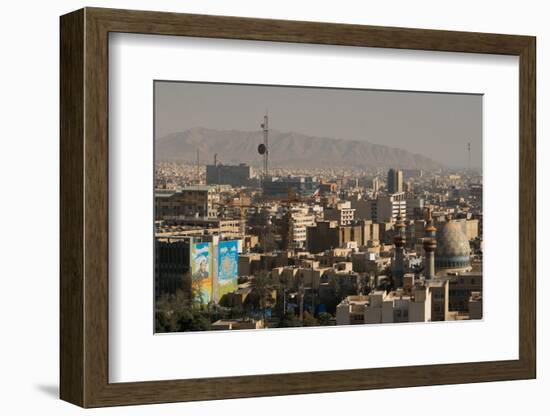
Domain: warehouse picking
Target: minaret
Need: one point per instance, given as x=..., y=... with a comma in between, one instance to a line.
x=411, y=233
x=429, y=246
x=399, y=241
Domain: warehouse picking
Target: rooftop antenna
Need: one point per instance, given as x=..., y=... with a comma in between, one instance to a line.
x=265, y=127
x=263, y=148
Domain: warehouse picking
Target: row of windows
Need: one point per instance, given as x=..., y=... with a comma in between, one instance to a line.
x=453, y=264
x=398, y=313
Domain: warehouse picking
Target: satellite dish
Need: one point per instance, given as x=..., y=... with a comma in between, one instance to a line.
x=262, y=149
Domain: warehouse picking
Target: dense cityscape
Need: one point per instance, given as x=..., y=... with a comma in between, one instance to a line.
x=255, y=246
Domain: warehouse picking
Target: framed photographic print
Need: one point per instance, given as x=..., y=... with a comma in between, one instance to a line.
x=255, y=207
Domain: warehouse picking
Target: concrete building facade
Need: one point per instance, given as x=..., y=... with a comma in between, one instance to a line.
x=200, y=201
x=395, y=181
x=234, y=175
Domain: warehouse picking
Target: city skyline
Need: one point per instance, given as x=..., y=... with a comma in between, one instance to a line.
x=257, y=229
x=436, y=125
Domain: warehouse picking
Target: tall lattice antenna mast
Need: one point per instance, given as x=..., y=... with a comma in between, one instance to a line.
x=263, y=149
x=469, y=158
x=265, y=128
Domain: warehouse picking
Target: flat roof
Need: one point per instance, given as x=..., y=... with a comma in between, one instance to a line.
x=198, y=188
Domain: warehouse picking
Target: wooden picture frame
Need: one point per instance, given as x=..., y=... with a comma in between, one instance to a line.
x=84, y=207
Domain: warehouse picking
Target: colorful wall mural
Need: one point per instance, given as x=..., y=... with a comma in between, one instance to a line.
x=228, y=265
x=201, y=272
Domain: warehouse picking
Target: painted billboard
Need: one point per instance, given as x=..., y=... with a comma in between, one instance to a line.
x=228, y=266
x=201, y=272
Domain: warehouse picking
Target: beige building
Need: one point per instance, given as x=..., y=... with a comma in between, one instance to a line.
x=471, y=228
x=475, y=306
x=330, y=257
x=420, y=309
x=461, y=288
x=369, y=262
x=284, y=275
x=439, y=289
x=347, y=279
x=385, y=208
x=250, y=241
x=190, y=226
x=249, y=264
x=417, y=302
x=327, y=235
x=236, y=324
x=300, y=219
x=351, y=310
x=309, y=277
x=343, y=213
x=199, y=201
x=362, y=209
x=238, y=297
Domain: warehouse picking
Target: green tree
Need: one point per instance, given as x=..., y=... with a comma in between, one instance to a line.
x=267, y=240
x=175, y=313
x=309, y=320
x=283, y=288
x=289, y=320
x=324, y=318
x=262, y=292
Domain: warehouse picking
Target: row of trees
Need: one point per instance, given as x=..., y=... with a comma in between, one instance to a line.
x=268, y=301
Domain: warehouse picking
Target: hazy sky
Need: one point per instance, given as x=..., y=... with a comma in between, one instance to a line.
x=438, y=126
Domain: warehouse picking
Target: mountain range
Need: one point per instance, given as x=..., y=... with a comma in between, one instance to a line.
x=286, y=149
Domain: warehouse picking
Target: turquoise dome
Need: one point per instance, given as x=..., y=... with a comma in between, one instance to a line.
x=453, y=248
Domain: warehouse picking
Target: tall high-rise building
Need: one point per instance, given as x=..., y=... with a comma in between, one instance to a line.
x=375, y=184
x=395, y=181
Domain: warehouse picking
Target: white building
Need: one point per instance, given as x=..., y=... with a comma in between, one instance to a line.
x=300, y=219
x=385, y=208
x=412, y=305
x=343, y=213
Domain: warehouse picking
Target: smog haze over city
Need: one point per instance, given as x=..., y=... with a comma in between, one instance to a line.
x=279, y=206
x=435, y=125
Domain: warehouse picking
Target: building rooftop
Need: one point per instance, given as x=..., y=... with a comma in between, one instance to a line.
x=164, y=193
x=199, y=188
x=476, y=297
x=356, y=300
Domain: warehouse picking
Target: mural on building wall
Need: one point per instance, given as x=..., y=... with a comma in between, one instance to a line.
x=201, y=273
x=228, y=262
x=300, y=217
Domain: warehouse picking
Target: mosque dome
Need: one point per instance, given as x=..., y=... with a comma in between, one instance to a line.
x=452, y=253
